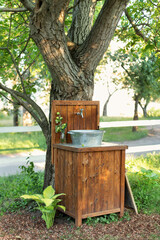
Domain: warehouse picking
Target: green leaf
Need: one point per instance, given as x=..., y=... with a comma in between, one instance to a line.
x=48, y=192
x=62, y=207
x=47, y=202
x=33, y=197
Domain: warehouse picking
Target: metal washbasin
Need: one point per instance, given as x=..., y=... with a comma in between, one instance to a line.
x=86, y=138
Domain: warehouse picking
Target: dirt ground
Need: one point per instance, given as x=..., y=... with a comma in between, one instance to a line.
x=29, y=226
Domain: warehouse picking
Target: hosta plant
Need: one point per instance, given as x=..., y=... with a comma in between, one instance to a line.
x=47, y=204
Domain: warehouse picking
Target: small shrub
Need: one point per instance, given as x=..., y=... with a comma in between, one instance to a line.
x=11, y=187
x=29, y=172
x=146, y=187
x=47, y=204
x=107, y=219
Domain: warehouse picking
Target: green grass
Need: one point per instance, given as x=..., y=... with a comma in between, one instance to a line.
x=110, y=119
x=16, y=142
x=144, y=176
x=6, y=120
x=121, y=134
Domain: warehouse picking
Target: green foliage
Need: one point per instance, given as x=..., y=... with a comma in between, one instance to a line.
x=150, y=161
x=20, y=59
x=145, y=19
x=154, y=112
x=18, y=142
x=60, y=127
x=146, y=187
x=107, y=219
x=47, y=204
x=30, y=173
x=144, y=175
x=12, y=187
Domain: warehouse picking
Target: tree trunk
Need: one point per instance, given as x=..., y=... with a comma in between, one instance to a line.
x=135, y=128
x=105, y=108
x=145, y=111
x=49, y=168
x=15, y=114
x=144, y=108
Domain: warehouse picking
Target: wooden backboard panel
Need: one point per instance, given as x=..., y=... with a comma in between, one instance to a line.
x=69, y=110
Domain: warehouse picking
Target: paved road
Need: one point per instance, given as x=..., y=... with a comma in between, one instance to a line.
x=9, y=164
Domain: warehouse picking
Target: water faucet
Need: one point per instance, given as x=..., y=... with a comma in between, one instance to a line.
x=81, y=112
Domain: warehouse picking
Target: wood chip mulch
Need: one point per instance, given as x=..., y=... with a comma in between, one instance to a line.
x=29, y=226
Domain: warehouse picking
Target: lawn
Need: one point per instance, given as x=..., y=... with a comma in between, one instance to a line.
x=18, y=142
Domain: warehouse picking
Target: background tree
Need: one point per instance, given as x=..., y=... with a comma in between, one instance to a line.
x=71, y=57
x=141, y=75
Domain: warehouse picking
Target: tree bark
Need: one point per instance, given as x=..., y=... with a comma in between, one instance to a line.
x=135, y=128
x=15, y=113
x=144, y=108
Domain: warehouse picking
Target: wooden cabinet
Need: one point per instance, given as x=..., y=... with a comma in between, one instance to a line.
x=92, y=178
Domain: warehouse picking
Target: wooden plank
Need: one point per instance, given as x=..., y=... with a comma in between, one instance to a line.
x=60, y=173
x=122, y=184
x=63, y=176
x=69, y=182
x=56, y=169
x=111, y=179
x=94, y=122
x=74, y=176
x=101, y=213
x=78, y=184
x=107, y=147
x=70, y=122
x=76, y=117
x=117, y=167
x=85, y=163
x=91, y=182
x=74, y=102
x=82, y=120
x=105, y=186
x=97, y=157
x=100, y=182
x=88, y=117
x=129, y=198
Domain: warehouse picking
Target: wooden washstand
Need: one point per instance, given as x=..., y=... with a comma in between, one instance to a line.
x=93, y=178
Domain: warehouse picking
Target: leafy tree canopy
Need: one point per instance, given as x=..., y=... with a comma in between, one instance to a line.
x=140, y=23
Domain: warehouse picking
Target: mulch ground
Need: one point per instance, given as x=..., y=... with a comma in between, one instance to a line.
x=29, y=226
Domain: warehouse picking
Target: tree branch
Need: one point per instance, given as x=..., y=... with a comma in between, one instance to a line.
x=31, y=107
x=26, y=44
x=14, y=10
x=137, y=31
x=91, y=51
x=28, y=5
x=9, y=100
x=16, y=67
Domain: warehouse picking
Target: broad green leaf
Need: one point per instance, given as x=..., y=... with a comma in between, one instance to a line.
x=47, y=202
x=48, y=192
